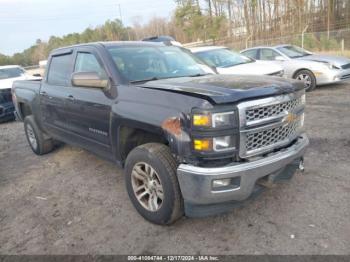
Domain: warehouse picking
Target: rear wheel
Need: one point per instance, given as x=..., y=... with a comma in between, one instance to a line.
x=37, y=140
x=308, y=78
x=152, y=183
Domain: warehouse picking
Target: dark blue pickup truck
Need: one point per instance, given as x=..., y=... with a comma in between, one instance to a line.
x=191, y=142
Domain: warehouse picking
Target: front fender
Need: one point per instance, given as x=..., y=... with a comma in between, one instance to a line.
x=166, y=123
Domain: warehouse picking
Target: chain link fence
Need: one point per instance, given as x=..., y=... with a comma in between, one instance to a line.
x=335, y=42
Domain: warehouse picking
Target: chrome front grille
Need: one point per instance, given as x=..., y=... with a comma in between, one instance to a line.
x=270, y=123
x=272, y=110
x=271, y=136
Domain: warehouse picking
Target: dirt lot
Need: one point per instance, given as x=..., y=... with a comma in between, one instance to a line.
x=71, y=202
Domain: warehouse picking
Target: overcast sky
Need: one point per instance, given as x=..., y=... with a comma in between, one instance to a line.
x=24, y=21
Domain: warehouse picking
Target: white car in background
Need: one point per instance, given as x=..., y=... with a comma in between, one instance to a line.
x=9, y=74
x=303, y=65
x=226, y=61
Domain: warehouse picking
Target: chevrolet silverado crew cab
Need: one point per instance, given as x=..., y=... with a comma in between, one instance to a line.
x=191, y=142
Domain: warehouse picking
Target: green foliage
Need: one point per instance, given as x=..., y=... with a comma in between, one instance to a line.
x=197, y=25
x=311, y=42
x=329, y=43
x=317, y=42
x=190, y=19
x=217, y=27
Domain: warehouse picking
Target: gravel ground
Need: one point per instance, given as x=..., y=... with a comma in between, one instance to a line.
x=72, y=202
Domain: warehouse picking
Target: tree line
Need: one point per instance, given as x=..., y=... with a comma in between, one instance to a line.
x=195, y=20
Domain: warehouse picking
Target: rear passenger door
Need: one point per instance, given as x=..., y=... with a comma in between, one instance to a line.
x=88, y=109
x=53, y=93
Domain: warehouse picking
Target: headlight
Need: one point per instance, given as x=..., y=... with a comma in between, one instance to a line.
x=215, y=120
x=223, y=143
x=278, y=73
x=334, y=67
x=329, y=65
x=202, y=120
x=217, y=144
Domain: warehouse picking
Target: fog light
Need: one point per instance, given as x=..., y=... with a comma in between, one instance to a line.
x=221, y=182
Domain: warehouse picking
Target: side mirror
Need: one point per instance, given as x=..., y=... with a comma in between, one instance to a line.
x=37, y=75
x=89, y=79
x=280, y=58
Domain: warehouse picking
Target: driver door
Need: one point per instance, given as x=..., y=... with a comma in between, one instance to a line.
x=88, y=109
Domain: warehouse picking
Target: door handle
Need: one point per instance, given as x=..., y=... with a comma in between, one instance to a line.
x=70, y=97
x=43, y=93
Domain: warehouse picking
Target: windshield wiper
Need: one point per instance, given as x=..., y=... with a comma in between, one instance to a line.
x=225, y=66
x=144, y=80
x=298, y=56
x=197, y=75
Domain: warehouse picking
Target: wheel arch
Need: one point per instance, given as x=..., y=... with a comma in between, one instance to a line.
x=130, y=137
x=24, y=110
x=301, y=69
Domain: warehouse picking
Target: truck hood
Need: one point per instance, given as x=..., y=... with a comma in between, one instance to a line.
x=335, y=60
x=254, y=68
x=221, y=89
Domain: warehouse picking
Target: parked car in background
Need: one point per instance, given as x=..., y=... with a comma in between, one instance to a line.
x=9, y=74
x=303, y=65
x=230, y=62
x=190, y=142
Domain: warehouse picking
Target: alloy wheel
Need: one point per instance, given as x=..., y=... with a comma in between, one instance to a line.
x=306, y=79
x=31, y=137
x=147, y=186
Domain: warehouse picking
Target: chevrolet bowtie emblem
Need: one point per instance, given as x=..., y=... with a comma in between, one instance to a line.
x=290, y=118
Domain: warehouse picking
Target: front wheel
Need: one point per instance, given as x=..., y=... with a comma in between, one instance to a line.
x=308, y=78
x=152, y=183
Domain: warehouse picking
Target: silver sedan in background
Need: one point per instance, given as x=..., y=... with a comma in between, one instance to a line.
x=303, y=65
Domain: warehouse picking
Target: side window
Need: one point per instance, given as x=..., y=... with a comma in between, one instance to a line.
x=268, y=54
x=60, y=70
x=253, y=53
x=87, y=62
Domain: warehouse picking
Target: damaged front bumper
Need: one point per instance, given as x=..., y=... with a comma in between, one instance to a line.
x=203, y=198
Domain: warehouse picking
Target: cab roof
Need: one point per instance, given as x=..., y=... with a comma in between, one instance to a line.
x=109, y=44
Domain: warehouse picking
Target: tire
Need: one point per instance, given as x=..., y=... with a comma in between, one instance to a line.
x=307, y=76
x=167, y=206
x=37, y=140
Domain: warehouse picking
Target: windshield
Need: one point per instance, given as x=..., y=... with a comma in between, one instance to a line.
x=12, y=72
x=293, y=51
x=223, y=58
x=150, y=63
